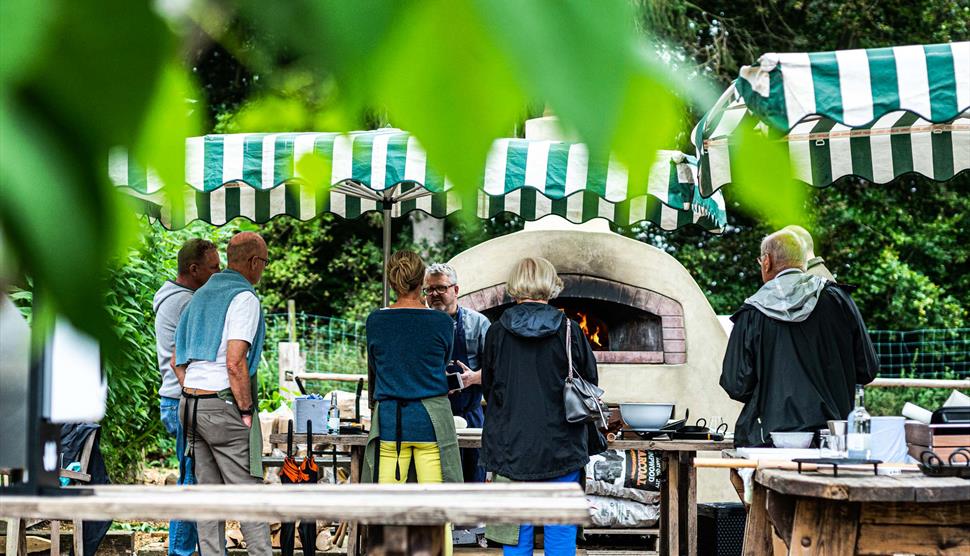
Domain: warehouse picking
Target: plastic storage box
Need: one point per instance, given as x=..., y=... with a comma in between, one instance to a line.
x=310, y=409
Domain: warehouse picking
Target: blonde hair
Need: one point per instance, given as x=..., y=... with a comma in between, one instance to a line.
x=533, y=278
x=405, y=271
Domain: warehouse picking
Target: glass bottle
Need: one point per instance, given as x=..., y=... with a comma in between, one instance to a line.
x=859, y=436
x=333, y=416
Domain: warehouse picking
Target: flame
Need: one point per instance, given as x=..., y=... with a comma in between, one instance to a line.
x=593, y=336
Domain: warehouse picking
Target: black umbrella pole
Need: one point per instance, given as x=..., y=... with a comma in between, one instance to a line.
x=387, y=254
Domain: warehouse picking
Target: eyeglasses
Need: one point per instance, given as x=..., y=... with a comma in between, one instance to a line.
x=761, y=259
x=265, y=261
x=437, y=290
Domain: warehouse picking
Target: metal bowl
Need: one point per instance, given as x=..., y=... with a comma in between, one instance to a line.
x=792, y=439
x=646, y=416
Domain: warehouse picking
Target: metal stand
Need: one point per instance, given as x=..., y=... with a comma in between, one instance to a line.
x=836, y=462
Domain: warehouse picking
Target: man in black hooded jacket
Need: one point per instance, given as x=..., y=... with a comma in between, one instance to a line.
x=797, y=349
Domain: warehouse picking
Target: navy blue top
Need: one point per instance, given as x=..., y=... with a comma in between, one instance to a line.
x=407, y=352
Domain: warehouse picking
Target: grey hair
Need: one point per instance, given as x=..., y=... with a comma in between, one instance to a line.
x=439, y=269
x=785, y=248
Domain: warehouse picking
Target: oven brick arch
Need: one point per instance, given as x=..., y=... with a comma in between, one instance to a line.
x=670, y=311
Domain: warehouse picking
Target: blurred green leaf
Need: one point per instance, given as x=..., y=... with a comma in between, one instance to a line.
x=169, y=119
x=273, y=113
x=443, y=78
x=20, y=41
x=332, y=38
x=316, y=170
x=97, y=67
x=49, y=222
x=85, y=91
x=588, y=62
x=763, y=182
x=576, y=55
x=650, y=117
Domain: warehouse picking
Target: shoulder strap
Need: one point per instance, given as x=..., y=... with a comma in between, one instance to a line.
x=569, y=345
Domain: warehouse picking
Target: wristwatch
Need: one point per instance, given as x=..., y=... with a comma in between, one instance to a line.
x=247, y=411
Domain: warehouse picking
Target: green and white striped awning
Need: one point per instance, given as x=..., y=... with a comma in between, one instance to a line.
x=855, y=87
x=876, y=114
x=255, y=176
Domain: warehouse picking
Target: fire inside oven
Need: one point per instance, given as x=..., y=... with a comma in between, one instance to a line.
x=609, y=326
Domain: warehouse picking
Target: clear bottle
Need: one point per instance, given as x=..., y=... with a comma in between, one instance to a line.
x=333, y=415
x=858, y=438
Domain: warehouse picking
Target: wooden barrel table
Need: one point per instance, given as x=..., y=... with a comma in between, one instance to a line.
x=858, y=512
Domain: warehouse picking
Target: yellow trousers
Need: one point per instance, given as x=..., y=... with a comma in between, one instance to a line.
x=427, y=466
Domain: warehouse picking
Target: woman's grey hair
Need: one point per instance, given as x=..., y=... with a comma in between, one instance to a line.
x=443, y=269
x=785, y=248
x=533, y=278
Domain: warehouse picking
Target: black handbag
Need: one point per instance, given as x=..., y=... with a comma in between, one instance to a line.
x=581, y=398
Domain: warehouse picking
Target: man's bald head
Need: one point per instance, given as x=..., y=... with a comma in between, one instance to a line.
x=247, y=255
x=780, y=251
x=805, y=236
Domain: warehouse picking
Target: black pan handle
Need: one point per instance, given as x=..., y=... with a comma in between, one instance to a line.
x=360, y=389
x=930, y=459
x=963, y=453
x=722, y=429
x=289, y=438
x=309, y=438
x=701, y=422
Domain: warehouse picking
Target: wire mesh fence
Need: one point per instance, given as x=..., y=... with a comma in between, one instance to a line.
x=329, y=344
x=928, y=353
x=335, y=345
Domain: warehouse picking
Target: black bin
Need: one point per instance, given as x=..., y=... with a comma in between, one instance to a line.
x=720, y=528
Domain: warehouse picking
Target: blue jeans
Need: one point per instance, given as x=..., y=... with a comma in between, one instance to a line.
x=183, y=538
x=560, y=540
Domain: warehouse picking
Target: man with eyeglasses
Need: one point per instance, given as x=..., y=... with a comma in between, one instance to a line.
x=217, y=348
x=797, y=350
x=441, y=290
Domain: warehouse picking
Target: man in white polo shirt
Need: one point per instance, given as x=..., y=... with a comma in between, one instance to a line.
x=217, y=347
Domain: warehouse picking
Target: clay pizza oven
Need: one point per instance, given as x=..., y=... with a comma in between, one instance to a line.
x=657, y=339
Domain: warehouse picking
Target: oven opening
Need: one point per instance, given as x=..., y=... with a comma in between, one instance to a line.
x=609, y=326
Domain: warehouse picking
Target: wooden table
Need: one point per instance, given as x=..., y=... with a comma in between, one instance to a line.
x=411, y=517
x=678, y=501
x=858, y=513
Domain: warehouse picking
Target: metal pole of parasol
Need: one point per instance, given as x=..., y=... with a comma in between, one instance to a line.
x=386, y=205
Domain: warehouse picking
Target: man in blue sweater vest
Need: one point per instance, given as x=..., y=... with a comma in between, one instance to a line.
x=217, y=347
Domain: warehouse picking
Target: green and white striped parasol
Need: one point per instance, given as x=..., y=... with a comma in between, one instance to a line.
x=876, y=114
x=256, y=176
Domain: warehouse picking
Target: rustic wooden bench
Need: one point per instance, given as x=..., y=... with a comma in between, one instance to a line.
x=408, y=518
x=678, y=517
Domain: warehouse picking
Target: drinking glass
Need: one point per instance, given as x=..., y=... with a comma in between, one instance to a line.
x=833, y=446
